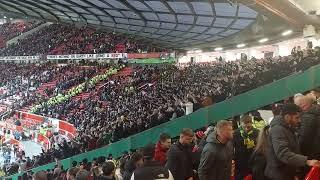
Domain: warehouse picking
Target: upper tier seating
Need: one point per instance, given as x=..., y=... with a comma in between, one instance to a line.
x=62, y=39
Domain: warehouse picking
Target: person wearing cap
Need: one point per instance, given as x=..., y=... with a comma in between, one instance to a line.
x=162, y=148
x=179, y=157
x=283, y=152
x=244, y=142
x=151, y=169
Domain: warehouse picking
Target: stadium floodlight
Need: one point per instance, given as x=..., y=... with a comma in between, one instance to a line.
x=263, y=40
x=241, y=45
x=286, y=33
x=218, y=49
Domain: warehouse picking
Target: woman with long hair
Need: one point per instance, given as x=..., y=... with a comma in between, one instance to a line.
x=258, y=158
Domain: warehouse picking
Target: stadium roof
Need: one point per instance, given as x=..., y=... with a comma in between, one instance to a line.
x=171, y=23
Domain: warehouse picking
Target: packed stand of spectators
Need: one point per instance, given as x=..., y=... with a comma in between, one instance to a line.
x=154, y=95
x=19, y=82
x=133, y=104
x=11, y=30
x=70, y=76
x=230, y=149
x=89, y=41
x=63, y=39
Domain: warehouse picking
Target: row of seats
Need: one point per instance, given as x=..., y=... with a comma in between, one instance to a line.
x=62, y=39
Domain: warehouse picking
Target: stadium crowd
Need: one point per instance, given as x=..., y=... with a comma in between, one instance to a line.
x=151, y=95
x=11, y=30
x=63, y=39
x=270, y=152
x=19, y=82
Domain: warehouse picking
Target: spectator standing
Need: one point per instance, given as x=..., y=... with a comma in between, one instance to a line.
x=151, y=168
x=71, y=173
x=244, y=142
x=108, y=169
x=258, y=161
x=180, y=157
x=135, y=161
x=82, y=175
x=216, y=157
x=40, y=175
x=258, y=122
x=309, y=130
x=283, y=152
x=162, y=147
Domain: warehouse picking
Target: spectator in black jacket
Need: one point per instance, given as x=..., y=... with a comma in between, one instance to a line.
x=309, y=130
x=244, y=142
x=179, y=157
x=216, y=157
x=283, y=152
x=135, y=161
x=151, y=168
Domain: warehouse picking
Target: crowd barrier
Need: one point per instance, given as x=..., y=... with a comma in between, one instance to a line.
x=64, y=127
x=37, y=119
x=237, y=105
x=44, y=141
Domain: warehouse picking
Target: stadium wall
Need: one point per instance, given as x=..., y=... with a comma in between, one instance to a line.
x=237, y=105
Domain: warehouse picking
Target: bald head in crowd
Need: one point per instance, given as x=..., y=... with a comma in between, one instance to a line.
x=304, y=102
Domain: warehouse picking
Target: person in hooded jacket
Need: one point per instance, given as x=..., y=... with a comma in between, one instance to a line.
x=217, y=154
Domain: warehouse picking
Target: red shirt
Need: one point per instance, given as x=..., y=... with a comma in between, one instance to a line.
x=160, y=154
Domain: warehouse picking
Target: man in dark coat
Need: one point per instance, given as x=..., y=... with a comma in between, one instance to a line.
x=179, y=157
x=216, y=157
x=309, y=130
x=151, y=169
x=244, y=142
x=283, y=152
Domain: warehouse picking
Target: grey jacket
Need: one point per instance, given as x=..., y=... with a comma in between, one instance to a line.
x=309, y=132
x=283, y=156
x=216, y=160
